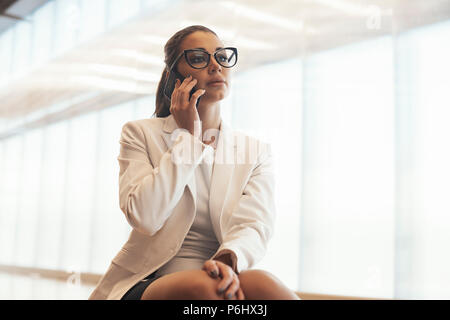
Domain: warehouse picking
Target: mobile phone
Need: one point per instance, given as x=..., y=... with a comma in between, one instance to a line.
x=170, y=85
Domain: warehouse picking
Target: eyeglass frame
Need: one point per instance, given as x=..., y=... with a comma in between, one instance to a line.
x=185, y=51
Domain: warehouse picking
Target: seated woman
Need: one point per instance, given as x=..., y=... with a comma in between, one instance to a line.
x=201, y=219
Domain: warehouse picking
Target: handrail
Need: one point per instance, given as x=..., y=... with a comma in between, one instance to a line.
x=60, y=275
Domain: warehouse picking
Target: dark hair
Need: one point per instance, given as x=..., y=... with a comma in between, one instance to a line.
x=171, y=51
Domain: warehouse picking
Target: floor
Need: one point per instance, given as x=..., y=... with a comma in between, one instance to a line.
x=17, y=287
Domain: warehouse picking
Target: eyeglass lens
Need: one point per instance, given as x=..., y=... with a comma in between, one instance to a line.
x=199, y=59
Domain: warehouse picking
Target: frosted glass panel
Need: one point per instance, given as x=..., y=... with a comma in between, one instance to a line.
x=10, y=197
x=348, y=187
x=80, y=192
x=144, y=107
x=424, y=98
x=2, y=160
x=110, y=227
x=27, y=218
x=52, y=196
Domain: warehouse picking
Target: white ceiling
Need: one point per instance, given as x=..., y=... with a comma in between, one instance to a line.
x=127, y=62
x=17, y=9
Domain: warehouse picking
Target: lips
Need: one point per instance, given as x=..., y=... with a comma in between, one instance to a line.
x=216, y=81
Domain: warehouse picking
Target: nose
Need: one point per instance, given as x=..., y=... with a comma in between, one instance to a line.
x=214, y=65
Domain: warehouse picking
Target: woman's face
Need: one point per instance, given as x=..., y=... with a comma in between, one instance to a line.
x=213, y=71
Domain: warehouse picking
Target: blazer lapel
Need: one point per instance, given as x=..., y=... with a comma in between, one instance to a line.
x=169, y=126
x=222, y=173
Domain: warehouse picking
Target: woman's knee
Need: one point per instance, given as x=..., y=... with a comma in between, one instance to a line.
x=260, y=284
x=203, y=287
x=257, y=276
x=257, y=280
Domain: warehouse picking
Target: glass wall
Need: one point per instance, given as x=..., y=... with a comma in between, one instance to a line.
x=347, y=217
x=422, y=208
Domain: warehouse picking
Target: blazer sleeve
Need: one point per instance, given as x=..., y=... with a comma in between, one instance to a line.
x=251, y=224
x=147, y=193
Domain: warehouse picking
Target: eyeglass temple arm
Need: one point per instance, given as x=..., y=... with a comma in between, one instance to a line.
x=175, y=61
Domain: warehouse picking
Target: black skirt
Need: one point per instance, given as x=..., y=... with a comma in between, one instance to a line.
x=135, y=293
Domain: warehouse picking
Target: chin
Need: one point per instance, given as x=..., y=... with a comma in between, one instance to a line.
x=216, y=96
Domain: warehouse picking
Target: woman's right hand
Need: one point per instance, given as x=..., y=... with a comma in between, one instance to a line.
x=229, y=284
x=184, y=110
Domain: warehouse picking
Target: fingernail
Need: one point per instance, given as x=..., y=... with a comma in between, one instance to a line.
x=229, y=296
x=214, y=273
x=221, y=290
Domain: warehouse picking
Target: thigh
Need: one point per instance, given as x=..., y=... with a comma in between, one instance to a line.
x=183, y=285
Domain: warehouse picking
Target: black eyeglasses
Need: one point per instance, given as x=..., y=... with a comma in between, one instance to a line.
x=199, y=58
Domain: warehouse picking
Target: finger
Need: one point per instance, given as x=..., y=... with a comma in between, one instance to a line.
x=186, y=90
x=174, y=97
x=180, y=99
x=227, y=277
x=210, y=267
x=214, y=271
x=240, y=294
x=190, y=85
x=185, y=82
x=183, y=97
x=232, y=289
x=179, y=91
x=209, y=273
x=197, y=94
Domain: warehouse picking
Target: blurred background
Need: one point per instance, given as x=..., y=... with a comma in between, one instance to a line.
x=353, y=95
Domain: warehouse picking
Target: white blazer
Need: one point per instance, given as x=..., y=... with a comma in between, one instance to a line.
x=157, y=195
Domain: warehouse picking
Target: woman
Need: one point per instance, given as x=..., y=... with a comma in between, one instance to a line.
x=198, y=224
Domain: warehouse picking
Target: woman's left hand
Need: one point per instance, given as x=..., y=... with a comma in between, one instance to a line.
x=229, y=284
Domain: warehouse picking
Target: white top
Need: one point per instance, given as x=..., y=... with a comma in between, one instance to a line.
x=201, y=242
